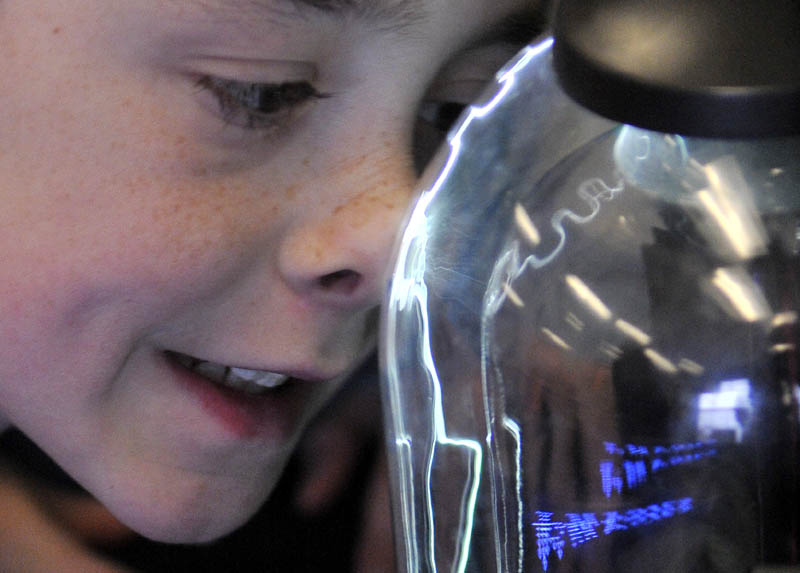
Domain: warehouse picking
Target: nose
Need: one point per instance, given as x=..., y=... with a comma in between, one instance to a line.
x=338, y=250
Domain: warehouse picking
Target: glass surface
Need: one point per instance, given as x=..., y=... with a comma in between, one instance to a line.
x=589, y=346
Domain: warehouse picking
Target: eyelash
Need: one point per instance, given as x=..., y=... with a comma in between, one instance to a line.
x=258, y=106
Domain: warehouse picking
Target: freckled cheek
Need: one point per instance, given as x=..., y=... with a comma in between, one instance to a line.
x=149, y=236
x=132, y=209
x=378, y=207
x=170, y=203
x=386, y=190
x=206, y=230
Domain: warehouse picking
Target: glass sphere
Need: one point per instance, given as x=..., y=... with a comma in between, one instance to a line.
x=589, y=345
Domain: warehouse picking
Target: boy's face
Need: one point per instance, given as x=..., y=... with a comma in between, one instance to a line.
x=190, y=185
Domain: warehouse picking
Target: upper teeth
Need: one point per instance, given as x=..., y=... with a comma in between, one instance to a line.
x=260, y=377
x=253, y=381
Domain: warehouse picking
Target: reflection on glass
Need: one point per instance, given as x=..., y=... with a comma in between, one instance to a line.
x=590, y=347
x=725, y=410
x=651, y=432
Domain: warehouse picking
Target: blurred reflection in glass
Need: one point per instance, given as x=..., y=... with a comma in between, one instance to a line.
x=590, y=345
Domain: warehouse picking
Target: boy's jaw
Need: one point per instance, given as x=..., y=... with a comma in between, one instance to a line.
x=189, y=459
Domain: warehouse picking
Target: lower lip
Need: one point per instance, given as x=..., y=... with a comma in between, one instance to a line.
x=275, y=414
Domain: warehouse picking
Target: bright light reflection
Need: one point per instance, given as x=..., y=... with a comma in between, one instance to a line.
x=513, y=296
x=516, y=433
x=785, y=318
x=660, y=361
x=410, y=290
x=556, y=339
x=610, y=350
x=730, y=226
x=739, y=289
x=416, y=290
x=574, y=321
x=690, y=366
x=587, y=297
x=723, y=410
x=578, y=528
x=633, y=332
x=730, y=203
x=525, y=225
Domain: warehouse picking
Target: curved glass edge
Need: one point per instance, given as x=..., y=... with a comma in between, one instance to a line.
x=498, y=142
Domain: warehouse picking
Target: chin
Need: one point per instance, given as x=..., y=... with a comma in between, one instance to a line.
x=199, y=512
x=195, y=527
x=190, y=525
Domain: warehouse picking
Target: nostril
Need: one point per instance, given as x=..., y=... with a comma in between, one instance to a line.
x=340, y=282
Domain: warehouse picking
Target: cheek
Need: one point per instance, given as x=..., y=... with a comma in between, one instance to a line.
x=135, y=195
x=366, y=190
x=81, y=237
x=101, y=179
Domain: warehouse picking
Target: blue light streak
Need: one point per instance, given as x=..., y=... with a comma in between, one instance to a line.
x=636, y=464
x=577, y=529
x=630, y=466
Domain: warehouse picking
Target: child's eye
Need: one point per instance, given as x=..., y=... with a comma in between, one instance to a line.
x=434, y=120
x=258, y=105
x=441, y=115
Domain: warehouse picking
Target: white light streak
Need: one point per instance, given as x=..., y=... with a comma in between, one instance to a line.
x=785, y=318
x=660, y=361
x=610, y=350
x=556, y=339
x=574, y=321
x=513, y=296
x=729, y=225
x=729, y=201
x=516, y=433
x=746, y=297
x=690, y=367
x=525, y=225
x=633, y=332
x=587, y=297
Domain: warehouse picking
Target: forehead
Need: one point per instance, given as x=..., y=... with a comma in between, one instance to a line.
x=396, y=14
x=400, y=11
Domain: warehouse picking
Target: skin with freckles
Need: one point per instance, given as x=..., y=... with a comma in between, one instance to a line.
x=217, y=179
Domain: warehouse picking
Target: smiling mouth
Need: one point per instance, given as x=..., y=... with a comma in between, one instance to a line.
x=255, y=382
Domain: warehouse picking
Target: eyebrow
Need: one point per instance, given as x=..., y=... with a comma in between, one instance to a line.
x=397, y=16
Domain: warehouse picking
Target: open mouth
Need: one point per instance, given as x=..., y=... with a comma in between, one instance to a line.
x=254, y=382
